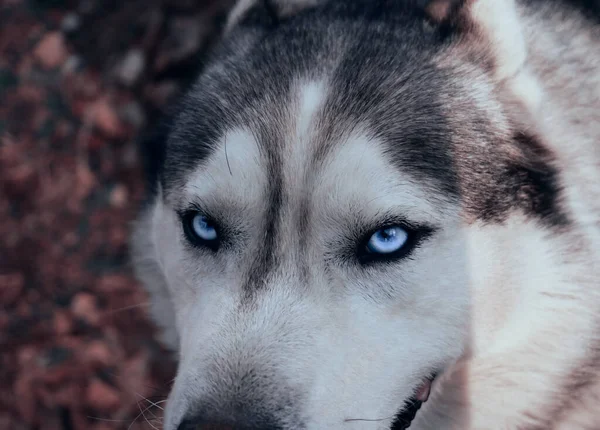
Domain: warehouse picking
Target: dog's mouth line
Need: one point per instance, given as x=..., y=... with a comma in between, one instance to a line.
x=403, y=419
x=409, y=411
x=424, y=389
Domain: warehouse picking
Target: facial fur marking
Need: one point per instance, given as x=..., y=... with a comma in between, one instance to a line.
x=267, y=254
x=312, y=96
x=582, y=378
x=527, y=182
x=363, y=98
x=306, y=130
x=212, y=177
x=538, y=182
x=283, y=173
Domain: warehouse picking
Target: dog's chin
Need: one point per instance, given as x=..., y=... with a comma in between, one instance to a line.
x=411, y=406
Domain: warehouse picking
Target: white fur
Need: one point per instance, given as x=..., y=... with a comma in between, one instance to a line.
x=535, y=302
x=328, y=328
x=500, y=22
x=506, y=309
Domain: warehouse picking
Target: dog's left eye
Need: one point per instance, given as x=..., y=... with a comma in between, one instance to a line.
x=387, y=240
x=390, y=243
x=201, y=230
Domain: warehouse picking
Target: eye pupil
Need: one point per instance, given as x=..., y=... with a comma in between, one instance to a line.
x=387, y=240
x=387, y=234
x=203, y=228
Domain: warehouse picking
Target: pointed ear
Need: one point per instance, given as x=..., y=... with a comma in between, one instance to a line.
x=495, y=22
x=266, y=12
x=495, y=28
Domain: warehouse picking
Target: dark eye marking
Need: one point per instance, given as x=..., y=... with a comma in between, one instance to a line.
x=200, y=230
x=391, y=242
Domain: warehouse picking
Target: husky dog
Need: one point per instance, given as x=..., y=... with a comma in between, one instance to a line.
x=363, y=207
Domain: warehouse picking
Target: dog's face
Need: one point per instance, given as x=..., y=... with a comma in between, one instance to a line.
x=309, y=242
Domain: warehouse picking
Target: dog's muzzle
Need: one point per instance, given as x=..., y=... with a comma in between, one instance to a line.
x=245, y=414
x=241, y=410
x=201, y=424
x=242, y=418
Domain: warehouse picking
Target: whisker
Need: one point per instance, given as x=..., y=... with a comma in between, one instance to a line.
x=408, y=405
x=142, y=414
x=227, y=157
x=134, y=420
x=368, y=419
x=153, y=403
x=109, y=420
x=147, y=420
x=126, y=308
x=146, y=409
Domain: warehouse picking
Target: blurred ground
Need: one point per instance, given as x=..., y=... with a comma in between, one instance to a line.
x=78, y=81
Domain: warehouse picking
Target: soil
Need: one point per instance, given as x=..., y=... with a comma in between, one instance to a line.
x=79, y=80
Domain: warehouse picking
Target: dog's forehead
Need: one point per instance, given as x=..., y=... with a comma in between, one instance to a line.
x=355, y=180
x=374, y=83
x=346, y=179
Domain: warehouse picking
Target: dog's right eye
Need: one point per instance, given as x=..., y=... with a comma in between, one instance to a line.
x=200, y=230
x=393, y=242
x=387, y=240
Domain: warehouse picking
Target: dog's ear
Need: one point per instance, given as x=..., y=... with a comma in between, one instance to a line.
x=264, y=12
x=494, y=28
x=496, y=23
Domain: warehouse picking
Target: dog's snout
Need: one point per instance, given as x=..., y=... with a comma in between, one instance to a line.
x=238, y=395
x=193, y=424
x=199, y=423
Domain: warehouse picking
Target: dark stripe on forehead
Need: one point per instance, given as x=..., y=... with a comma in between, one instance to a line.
x=241, y=89
x=384, y=86
x=362, y=46
x=201, y=122
x=270, y=140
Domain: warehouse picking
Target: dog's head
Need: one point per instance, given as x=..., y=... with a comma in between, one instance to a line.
x=308, y=244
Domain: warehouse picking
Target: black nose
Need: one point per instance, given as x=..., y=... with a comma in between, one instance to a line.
x=252, y=423
x=199, y=425
x=249, y=398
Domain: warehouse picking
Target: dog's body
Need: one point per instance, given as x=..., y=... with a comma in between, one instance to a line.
x=473, y=125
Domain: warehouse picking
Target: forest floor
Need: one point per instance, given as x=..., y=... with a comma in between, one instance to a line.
x=79, y=80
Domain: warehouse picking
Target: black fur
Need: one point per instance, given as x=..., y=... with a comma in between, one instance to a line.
x=264, y=14
x=588, y=8
x=371, y=57
x=377, y=55
x=237, y=399
x=536, y=182
x=197, y=423
x=266, y=258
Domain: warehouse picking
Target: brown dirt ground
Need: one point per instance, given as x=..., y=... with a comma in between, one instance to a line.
x=78, y=81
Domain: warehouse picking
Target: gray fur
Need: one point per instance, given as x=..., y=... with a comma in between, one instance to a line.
x=486, y=147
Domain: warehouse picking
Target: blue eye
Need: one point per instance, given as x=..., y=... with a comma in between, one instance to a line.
x=203, y=228
x=387, y=240
x=200, y=230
